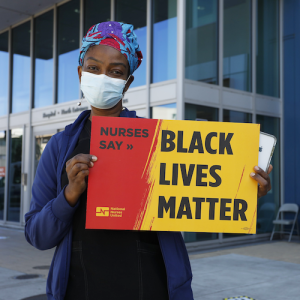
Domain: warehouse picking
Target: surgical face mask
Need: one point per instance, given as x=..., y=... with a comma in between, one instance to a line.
x=102, y=91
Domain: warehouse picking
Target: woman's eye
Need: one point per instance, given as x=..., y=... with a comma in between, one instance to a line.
x=116, y=72
x=92, y=68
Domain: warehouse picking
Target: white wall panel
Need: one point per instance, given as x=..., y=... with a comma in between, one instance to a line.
x=3, y=123
x=201, y=93
x=268, y=106
x=237, y=100
x=19, y=119
x=162, y=92
x=135, y=96
x=141, y=112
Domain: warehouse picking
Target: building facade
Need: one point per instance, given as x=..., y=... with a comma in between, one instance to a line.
x=214, y=60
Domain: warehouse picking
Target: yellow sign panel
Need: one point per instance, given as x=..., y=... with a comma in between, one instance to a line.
x=201, y=178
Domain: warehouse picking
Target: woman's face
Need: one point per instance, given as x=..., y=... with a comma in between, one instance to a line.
x=101, y=59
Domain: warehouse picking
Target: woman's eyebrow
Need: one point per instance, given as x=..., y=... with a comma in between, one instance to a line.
x=118, y=63
x=93, y=58
x=114, y=64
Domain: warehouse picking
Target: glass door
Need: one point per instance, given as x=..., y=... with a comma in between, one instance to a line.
x=15, y=172
x=40, y=143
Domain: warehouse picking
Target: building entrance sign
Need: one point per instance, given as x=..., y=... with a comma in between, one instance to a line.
x=169, y=175
x=69, y=110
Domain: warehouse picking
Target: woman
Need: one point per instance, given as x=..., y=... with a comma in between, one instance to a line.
x=101, y=264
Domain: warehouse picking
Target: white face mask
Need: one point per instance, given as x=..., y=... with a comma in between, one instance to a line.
x=102, y=91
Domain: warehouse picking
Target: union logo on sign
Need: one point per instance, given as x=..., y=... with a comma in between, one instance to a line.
x=102, y=211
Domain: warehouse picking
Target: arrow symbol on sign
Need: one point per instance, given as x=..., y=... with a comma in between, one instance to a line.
x=129, y=146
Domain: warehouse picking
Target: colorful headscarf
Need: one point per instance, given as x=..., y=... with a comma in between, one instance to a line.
x=117, y=35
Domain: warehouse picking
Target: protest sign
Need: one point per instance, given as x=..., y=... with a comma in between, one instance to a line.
x=172, y=175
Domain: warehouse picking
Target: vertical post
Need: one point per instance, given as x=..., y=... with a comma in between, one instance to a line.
x=55, y=64
x=220, y=55
x=32, y=64
x=149, y=55
x=181, y=8
x=27, y=155
x=112, y=10
x=81, y=34
x=23, y=187
x=220, y=70
x=253, y=58
x=81, y=21
x=7, y=164
x=281, y=7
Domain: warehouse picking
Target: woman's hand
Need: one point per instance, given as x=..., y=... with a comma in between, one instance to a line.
x=77, y=170
x=263, y=179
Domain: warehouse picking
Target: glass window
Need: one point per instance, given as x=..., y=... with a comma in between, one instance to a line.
x=67, y=50
x=4, y=73
x=40, y=144
x=164, y=51
x=268, y=205
x=236, y=116
x=21, y=68
x=15, y=169
x=95, y=11
x=200, y=113
x=135, y=12
x=2, y=171
x=201, y=50
x=166, y=112
x=43, y=58
x=267, y=55
x=237, y=45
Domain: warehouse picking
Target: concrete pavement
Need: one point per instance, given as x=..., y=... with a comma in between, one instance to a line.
x=267, y=271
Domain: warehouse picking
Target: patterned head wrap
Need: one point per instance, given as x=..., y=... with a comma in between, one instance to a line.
x=117, y=35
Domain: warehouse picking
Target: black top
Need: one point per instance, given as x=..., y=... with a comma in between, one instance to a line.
x=112, y=264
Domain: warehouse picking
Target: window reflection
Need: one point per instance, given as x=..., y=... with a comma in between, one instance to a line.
x=237, y=45
x=40, y=144
x=4, y=73
x=68, y=52
x=164, y=40
x=268, y=205
x=267, y=55
x=236, y=116
x=2, y=171
x=43, y=54
x=201, y=50
x=95, y=11
x=21, y=68
x=15, y=168
x=201, y=113
x=166, y=112
x=135, y=12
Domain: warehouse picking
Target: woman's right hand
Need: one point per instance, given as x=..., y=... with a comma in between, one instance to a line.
x=77, y=169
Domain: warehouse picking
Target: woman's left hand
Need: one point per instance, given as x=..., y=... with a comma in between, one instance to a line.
x=263, y=179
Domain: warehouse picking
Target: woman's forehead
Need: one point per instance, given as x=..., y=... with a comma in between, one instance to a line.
x=102, y=52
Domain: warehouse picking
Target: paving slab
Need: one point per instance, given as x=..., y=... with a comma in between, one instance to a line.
x=16, y=289
x=17, y=254
x=231, y=275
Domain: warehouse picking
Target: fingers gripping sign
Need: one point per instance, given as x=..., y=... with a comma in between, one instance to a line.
x=77, y=169
x=263, y=180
